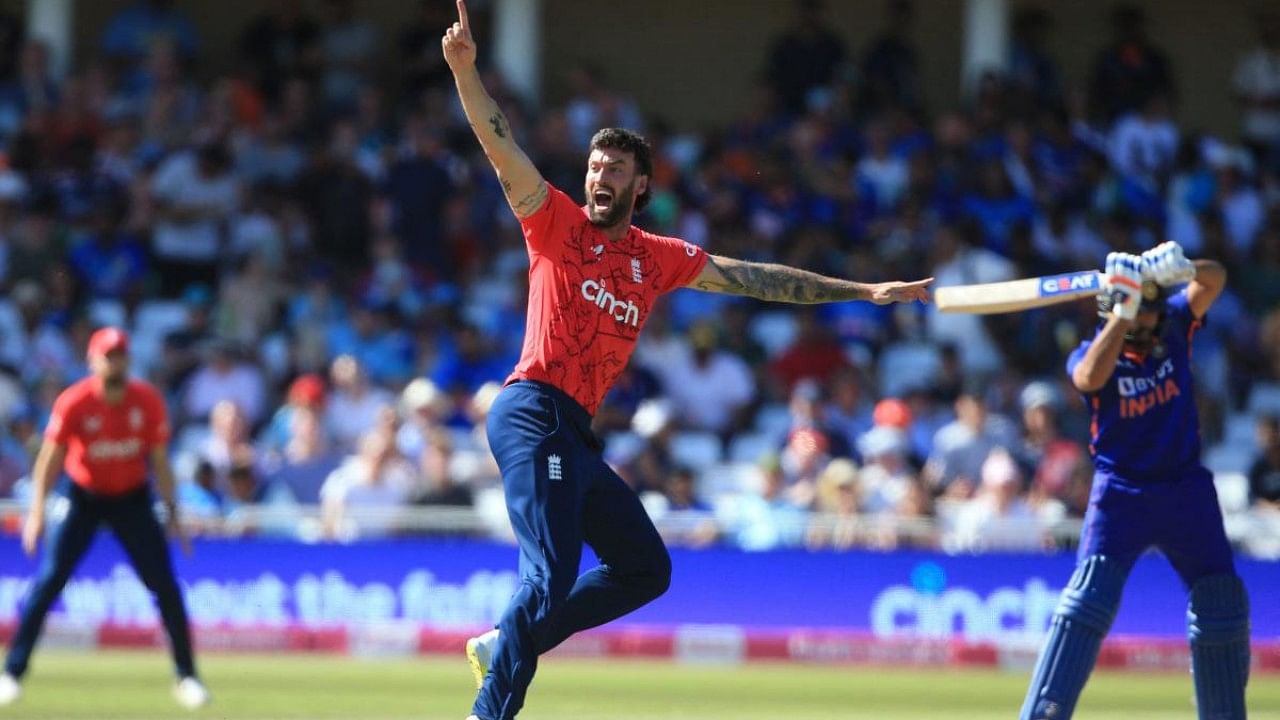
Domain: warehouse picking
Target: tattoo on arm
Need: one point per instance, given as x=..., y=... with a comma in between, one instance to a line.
x=500, y=127
x=527, y=205
x=779, y=283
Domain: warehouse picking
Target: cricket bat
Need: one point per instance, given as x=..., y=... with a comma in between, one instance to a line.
x=1014, y=295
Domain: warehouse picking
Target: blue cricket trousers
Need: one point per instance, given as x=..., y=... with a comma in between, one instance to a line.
x=1180, y=517
x=560, y=493
x=134, y=523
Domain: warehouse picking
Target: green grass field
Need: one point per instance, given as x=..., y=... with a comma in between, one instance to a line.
x=131, y=685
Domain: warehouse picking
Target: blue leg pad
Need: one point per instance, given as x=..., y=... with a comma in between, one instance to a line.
x=1084, y=615
x=1218, y=628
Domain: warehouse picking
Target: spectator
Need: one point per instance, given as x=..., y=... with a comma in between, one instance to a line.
x=424, y=409
x=837, y=524
x=306, y=459
x=956, y=262
x=109, y=260
x=768, y=521
x=354, y=404
x=1256, y=81
x=711, y=388
x=135, y=29
x=1054, y=461
x=280, y=43
x=1033, y=75
x=886, y=476
x=360, y=498
x=814, y=354
x=421, y=63
x=998, y=518
x=687, y=520
x=349, y=43
x=224, y=376
x=848, y=414
x=803, y=459
x=1264, y=475
x=1143, y=144
x=195, y=194
x=1129, y=70
x=593, y=106
x=804, y=58
x=337, y=196
x=961, y=447
x=418, y=186
x=182, y=346
x=199, y=496
x=437, y=468
x=890, y=69
x=997, y=210
x=373, y=337
x=226, y=444
x=250, y=300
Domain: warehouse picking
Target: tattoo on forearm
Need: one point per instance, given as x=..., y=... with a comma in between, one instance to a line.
x=779, y=283
x=526, y=205
x=506, y=186
x=499, y=123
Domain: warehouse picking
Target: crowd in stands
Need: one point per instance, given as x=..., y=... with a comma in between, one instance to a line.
x=320, y=272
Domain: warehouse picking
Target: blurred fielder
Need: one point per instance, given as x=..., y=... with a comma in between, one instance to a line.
x=593, y=279
x=106, y=428
x=1149, y=488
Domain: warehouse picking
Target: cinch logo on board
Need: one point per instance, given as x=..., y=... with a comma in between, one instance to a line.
x=626, y=312
x=928, y=608
x=1066, y=283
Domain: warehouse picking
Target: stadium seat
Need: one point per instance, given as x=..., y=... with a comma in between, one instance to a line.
x=1239, y=429
x=696, y=451
x=1233, y=491
x=731, y=478
x=1229, y=458
x=775, y=421
x=108, y=312
x=775, y=331
x=750, y=447
x=1264, y=399
x=152, y=321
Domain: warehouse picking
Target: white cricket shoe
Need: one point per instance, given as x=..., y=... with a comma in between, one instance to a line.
x=191, y=693
x=480, y=654
x=10, y=689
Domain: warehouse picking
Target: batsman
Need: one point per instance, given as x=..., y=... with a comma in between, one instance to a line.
x=1149, y=488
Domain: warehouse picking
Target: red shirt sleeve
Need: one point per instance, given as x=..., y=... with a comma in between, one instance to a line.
x=558, y=211
x=157, y=425
x=681, y=261
x=62, y=418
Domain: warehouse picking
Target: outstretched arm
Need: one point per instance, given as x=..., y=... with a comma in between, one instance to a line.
x=780, y=283
x=524, y=187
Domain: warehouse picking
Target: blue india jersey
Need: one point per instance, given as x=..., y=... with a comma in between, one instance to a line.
x=1145, y=427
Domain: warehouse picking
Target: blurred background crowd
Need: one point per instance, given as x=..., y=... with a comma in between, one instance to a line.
x=321, y=274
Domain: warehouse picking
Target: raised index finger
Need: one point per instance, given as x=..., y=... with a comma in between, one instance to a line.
x=462, y=17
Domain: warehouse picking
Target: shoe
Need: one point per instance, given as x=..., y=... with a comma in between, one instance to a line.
x=10, y=689
x=480, y=654
x=191, y=693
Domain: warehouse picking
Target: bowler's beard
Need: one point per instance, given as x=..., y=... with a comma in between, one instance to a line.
x=114, y=381
x=619, y=210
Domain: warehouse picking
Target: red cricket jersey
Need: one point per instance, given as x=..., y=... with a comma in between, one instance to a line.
x=589, y=296
x=107, y=445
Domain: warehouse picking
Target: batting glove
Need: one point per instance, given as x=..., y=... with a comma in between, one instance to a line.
x=1167, y=265
x=1124, y=284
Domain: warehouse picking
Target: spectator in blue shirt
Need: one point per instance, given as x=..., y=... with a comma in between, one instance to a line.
x=132, y=32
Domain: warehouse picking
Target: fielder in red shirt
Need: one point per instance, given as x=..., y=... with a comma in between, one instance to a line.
x=105, y=430
x=593, y=280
